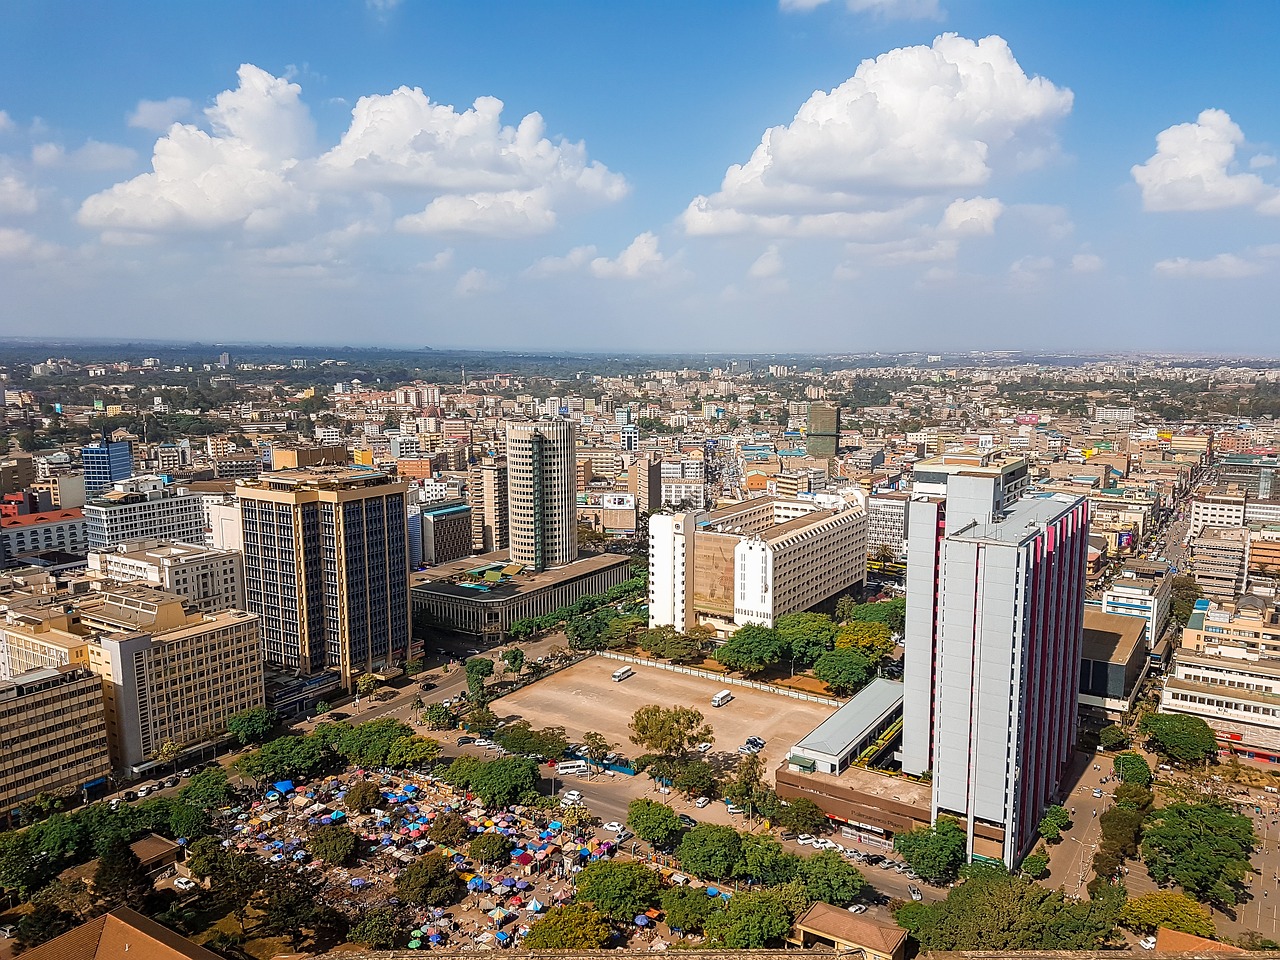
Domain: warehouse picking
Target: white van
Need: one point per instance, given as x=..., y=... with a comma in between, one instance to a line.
x=721, y=698
x=568, y=768
x=621, y=674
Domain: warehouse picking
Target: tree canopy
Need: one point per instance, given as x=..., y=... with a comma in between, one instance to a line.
x=573, y=926
x=653, y=822
x=1180, y=737
x=620, y=889
x=668, y=731
x=752, y=649
x=710, y=851
x=430, y=881
x=936, y=852
x=1202, y=847
x=1166, y=908
x=253, y=725
x=845, y=670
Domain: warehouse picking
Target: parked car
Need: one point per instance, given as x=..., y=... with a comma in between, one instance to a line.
x=1097, y=793
x=336, y=715
x=426, y=685
x=858, y=908
x=482, y=742
x=704, y=747
x=8, y=931
x=613, y=826
x=701, y=802
x=734, y=808
x=623, y=836
x=686, y=821
x=464, y=741
x=1147, y=943
x=572, y=796
x=748, y=749
x=916, y=895
x=804, y=839
x=756, y=742
x=184, y=884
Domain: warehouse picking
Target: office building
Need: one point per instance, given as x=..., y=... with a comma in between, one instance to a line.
x=208, y=580
x=541, y=496
x=144, y=508
x=992, y=662
x=169, y=673
x=887, y=526
x=1220, y=561
x=1142, y=589
x=60, y=491
x=53, y=734
x=326, y=559
x=644, y=482
x=1253, y=474
x=1009, y=470
x=106, y=462
x=753, y=562
x=30, y=533
x=17, y=473
x=446, y=531
x=823, y=437
x=487, y=494
x=1217, y=508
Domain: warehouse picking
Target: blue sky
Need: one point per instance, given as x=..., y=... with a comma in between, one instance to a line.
x=789, y=175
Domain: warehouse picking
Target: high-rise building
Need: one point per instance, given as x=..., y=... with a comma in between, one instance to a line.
x=823, y=437
x=104, y=463
x=53, y=734
x=541, y=492
x=144, y=508
x=487, y=494
x=995, y=601
x=326, y=560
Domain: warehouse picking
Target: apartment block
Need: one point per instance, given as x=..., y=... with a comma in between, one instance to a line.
x=487, y=494
x=53, y=734
x=144, y=508
x=1141, y=589
x=208, y=580
x=1217, y=508
x=887, y=525
x=753, y=562
x=38, y=532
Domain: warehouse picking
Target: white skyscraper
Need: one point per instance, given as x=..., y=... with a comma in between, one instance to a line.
x=542, y=492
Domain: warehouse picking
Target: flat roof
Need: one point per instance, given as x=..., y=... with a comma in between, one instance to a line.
x=441, y=579
x=1025, y=518
x=854, y=721
x=1111, y=636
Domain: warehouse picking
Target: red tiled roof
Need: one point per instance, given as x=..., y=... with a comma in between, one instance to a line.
x=1175, y=941
x=53, y=516
x=119, y=934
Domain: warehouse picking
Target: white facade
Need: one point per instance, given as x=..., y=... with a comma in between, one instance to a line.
x=38, y=532
x=1137, y=597
x=144, y=508
x=208, y=580
x=1217, y=510
x=542, y=498
x=222, y=523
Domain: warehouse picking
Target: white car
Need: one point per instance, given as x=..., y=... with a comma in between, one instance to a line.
x=613, y=826
x=824, y=845
x=703, y=747
x=1147, y=943
x=143, y=791
x=482, y=742
x=858, y=908
x=184, y=883
x=804, y=839
x=701, y=802
x=572, y=796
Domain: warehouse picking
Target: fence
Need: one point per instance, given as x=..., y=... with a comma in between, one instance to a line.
x=721, y=678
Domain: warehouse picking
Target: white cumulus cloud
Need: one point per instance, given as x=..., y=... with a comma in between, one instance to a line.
x=1224, y=266
x=640, y=260
x=18, y=244
x=768, y=264
x=16, y=196
x=976, y=216
x=159, y=115
x=1194, y=168
x=94, y=155
x=575, y=259
x=888, y=144
x=472, y=282
x=1086, y=263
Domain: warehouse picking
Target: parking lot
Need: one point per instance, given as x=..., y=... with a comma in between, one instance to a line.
x=584, y=697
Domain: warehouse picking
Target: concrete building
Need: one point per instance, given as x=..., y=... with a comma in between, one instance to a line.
x=992, y=662
x=446, y=531
x=1220, y=561
x=753, y=562
x=17, y=473
x=1113, y=662
x=61, y=491
x=542, y=496
x=644, y=482
x=822, y=439
x=53, y=735
x=1255, y=475
x=1227, y=672
x=832, y=929
x=222, y=523
x=840, y=739
x=144, y=508
x=326, y=559
x=105, y=463
x=169, y=674
x=887, y=525
x=30, y=533
x=487, y=495
x=1010, y=471
x=1217, y=508
x=1141, y=589
x=208, y=580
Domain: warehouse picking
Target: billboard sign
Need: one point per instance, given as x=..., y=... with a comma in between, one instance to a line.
x=618, y=501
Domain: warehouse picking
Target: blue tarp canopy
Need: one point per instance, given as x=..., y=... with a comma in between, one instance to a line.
x=284, y=786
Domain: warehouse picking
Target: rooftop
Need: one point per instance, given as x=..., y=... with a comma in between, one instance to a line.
x=32, y=519
x=466, y=578
x=1022, y=521
x=1111, y=637
x=846, y=927
x=852, y=722
x=120, y=933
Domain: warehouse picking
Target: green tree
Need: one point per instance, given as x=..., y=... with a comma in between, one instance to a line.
x=751, y=649
x=1055, y=820
x=806, y=636
x=286, y=758
x=361, y=797
x=752, y=921
x=800, y=815
x=573, y=926
x=1183, y=594
x=668, y=731
x=365, y=685
x=1113, y=737
x=491, y=848
x=377, y=929
x=890, y=613
x=619, y=889
x=1036, y=865
x=873, y=640
x=710, y=851
x=412, y=752
x=694, y=778
x=513, y=657
x=207, y=790
x=42, y=924
x=237, y=879
x=1169, y=909
x=334, y=844
x=1130, y=796
x=253, y=725
x=830, y=878
x=1202, y=847
x=844, y=670
x=204, y=857
x=450, y=829
x=763, y=861
x=439, y=717
x=478, y=669
x=120, y=879
x=1180, y=736
x=430, y=881
x=653, y=822
x=936, y=853
x=688, y=909
x=595, y=747
x=1133, y=768
x=292, y=905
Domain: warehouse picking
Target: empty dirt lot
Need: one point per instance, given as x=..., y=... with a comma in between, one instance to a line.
x=584, y=697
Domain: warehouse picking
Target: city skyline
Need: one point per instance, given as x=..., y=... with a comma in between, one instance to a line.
x=905, y=174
